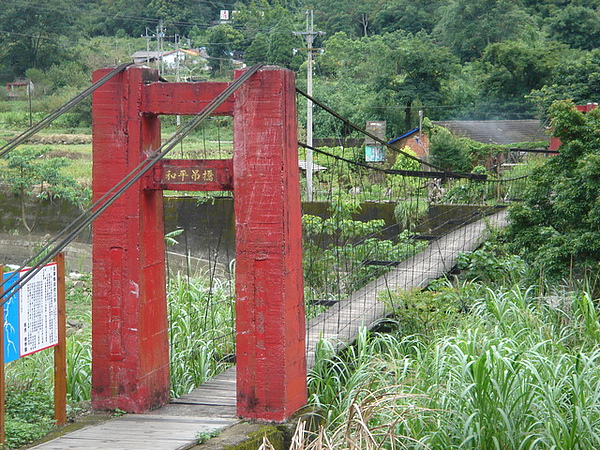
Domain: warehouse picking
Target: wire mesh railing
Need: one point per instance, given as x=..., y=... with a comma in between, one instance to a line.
x=353, y=267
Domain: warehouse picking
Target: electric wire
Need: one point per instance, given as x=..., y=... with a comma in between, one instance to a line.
x=407, y=173
x=44, y=256
x=414, y=173
x=448, y=173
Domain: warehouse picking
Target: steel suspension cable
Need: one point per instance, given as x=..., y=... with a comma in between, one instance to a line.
x=61, y=110
x=116, y=191
x=448, y=173
x=408, y=173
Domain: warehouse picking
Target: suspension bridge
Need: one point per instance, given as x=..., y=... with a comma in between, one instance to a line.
x=350, y=281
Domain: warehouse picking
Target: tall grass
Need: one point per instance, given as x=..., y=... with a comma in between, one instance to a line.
x=518, y=372
x=201, y=329
x=201, y=333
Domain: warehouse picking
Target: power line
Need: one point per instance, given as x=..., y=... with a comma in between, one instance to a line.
x=38, y=36
x=406, y=173
x=372, y=136
x=449, y=173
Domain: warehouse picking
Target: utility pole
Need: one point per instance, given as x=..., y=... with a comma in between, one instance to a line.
x=147, y=36
x=177, y=39
x=309, y=34
x=177, y=78
x=160, y=39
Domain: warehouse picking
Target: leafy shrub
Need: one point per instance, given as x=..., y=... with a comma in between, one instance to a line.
x=337, y=248
x=491, y=264
x=557, y=228
x=448, y=151
x=19, y=119
x=30, y=415
x=29, y=173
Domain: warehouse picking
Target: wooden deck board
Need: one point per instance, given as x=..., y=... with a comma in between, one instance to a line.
x=212, y=405
x=140, y=431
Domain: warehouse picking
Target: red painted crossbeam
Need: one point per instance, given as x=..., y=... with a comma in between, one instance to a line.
x=183, y=98
x=192, y=175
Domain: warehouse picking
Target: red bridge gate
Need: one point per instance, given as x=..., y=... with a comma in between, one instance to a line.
x=130, y=367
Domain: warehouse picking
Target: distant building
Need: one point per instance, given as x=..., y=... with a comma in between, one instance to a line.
x=417, y=142
x=170, y=57
x=19, y=89
x=497, y=132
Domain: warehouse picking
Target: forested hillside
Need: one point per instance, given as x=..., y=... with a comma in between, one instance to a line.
x=380, y=60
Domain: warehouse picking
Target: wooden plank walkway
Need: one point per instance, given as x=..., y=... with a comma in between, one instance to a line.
x=140, y=432
x=212, y=406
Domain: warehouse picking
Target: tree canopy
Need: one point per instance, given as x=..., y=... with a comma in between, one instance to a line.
x=558, y=225
x=378, y=60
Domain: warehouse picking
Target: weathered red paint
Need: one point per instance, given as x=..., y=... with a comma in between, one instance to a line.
x=130, y=341
x=271, y=364
x=130, y=354
x=184, y=98
x=192, y=175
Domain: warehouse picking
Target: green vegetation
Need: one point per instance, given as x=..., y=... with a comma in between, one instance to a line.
x=556, y=227
x=472, y=365
x=201, y=330
x=380, y=60
x=29, y=380
x=336, y=248
x=506, y=356
x=503, y=356
x=29, y=173
x=201, y=335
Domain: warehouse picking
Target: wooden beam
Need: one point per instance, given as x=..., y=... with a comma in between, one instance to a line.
x=60, y=350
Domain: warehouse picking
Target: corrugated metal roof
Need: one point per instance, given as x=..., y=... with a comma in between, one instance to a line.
x=502, y=132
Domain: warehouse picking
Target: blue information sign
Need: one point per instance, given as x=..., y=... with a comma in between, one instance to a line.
x=31, y=314
x=11, y=320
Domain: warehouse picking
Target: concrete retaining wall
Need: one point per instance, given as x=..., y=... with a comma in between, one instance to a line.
x=208, y=227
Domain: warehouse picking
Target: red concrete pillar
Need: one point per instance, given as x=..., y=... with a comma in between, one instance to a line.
x=130, y=365
x=271, y=362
